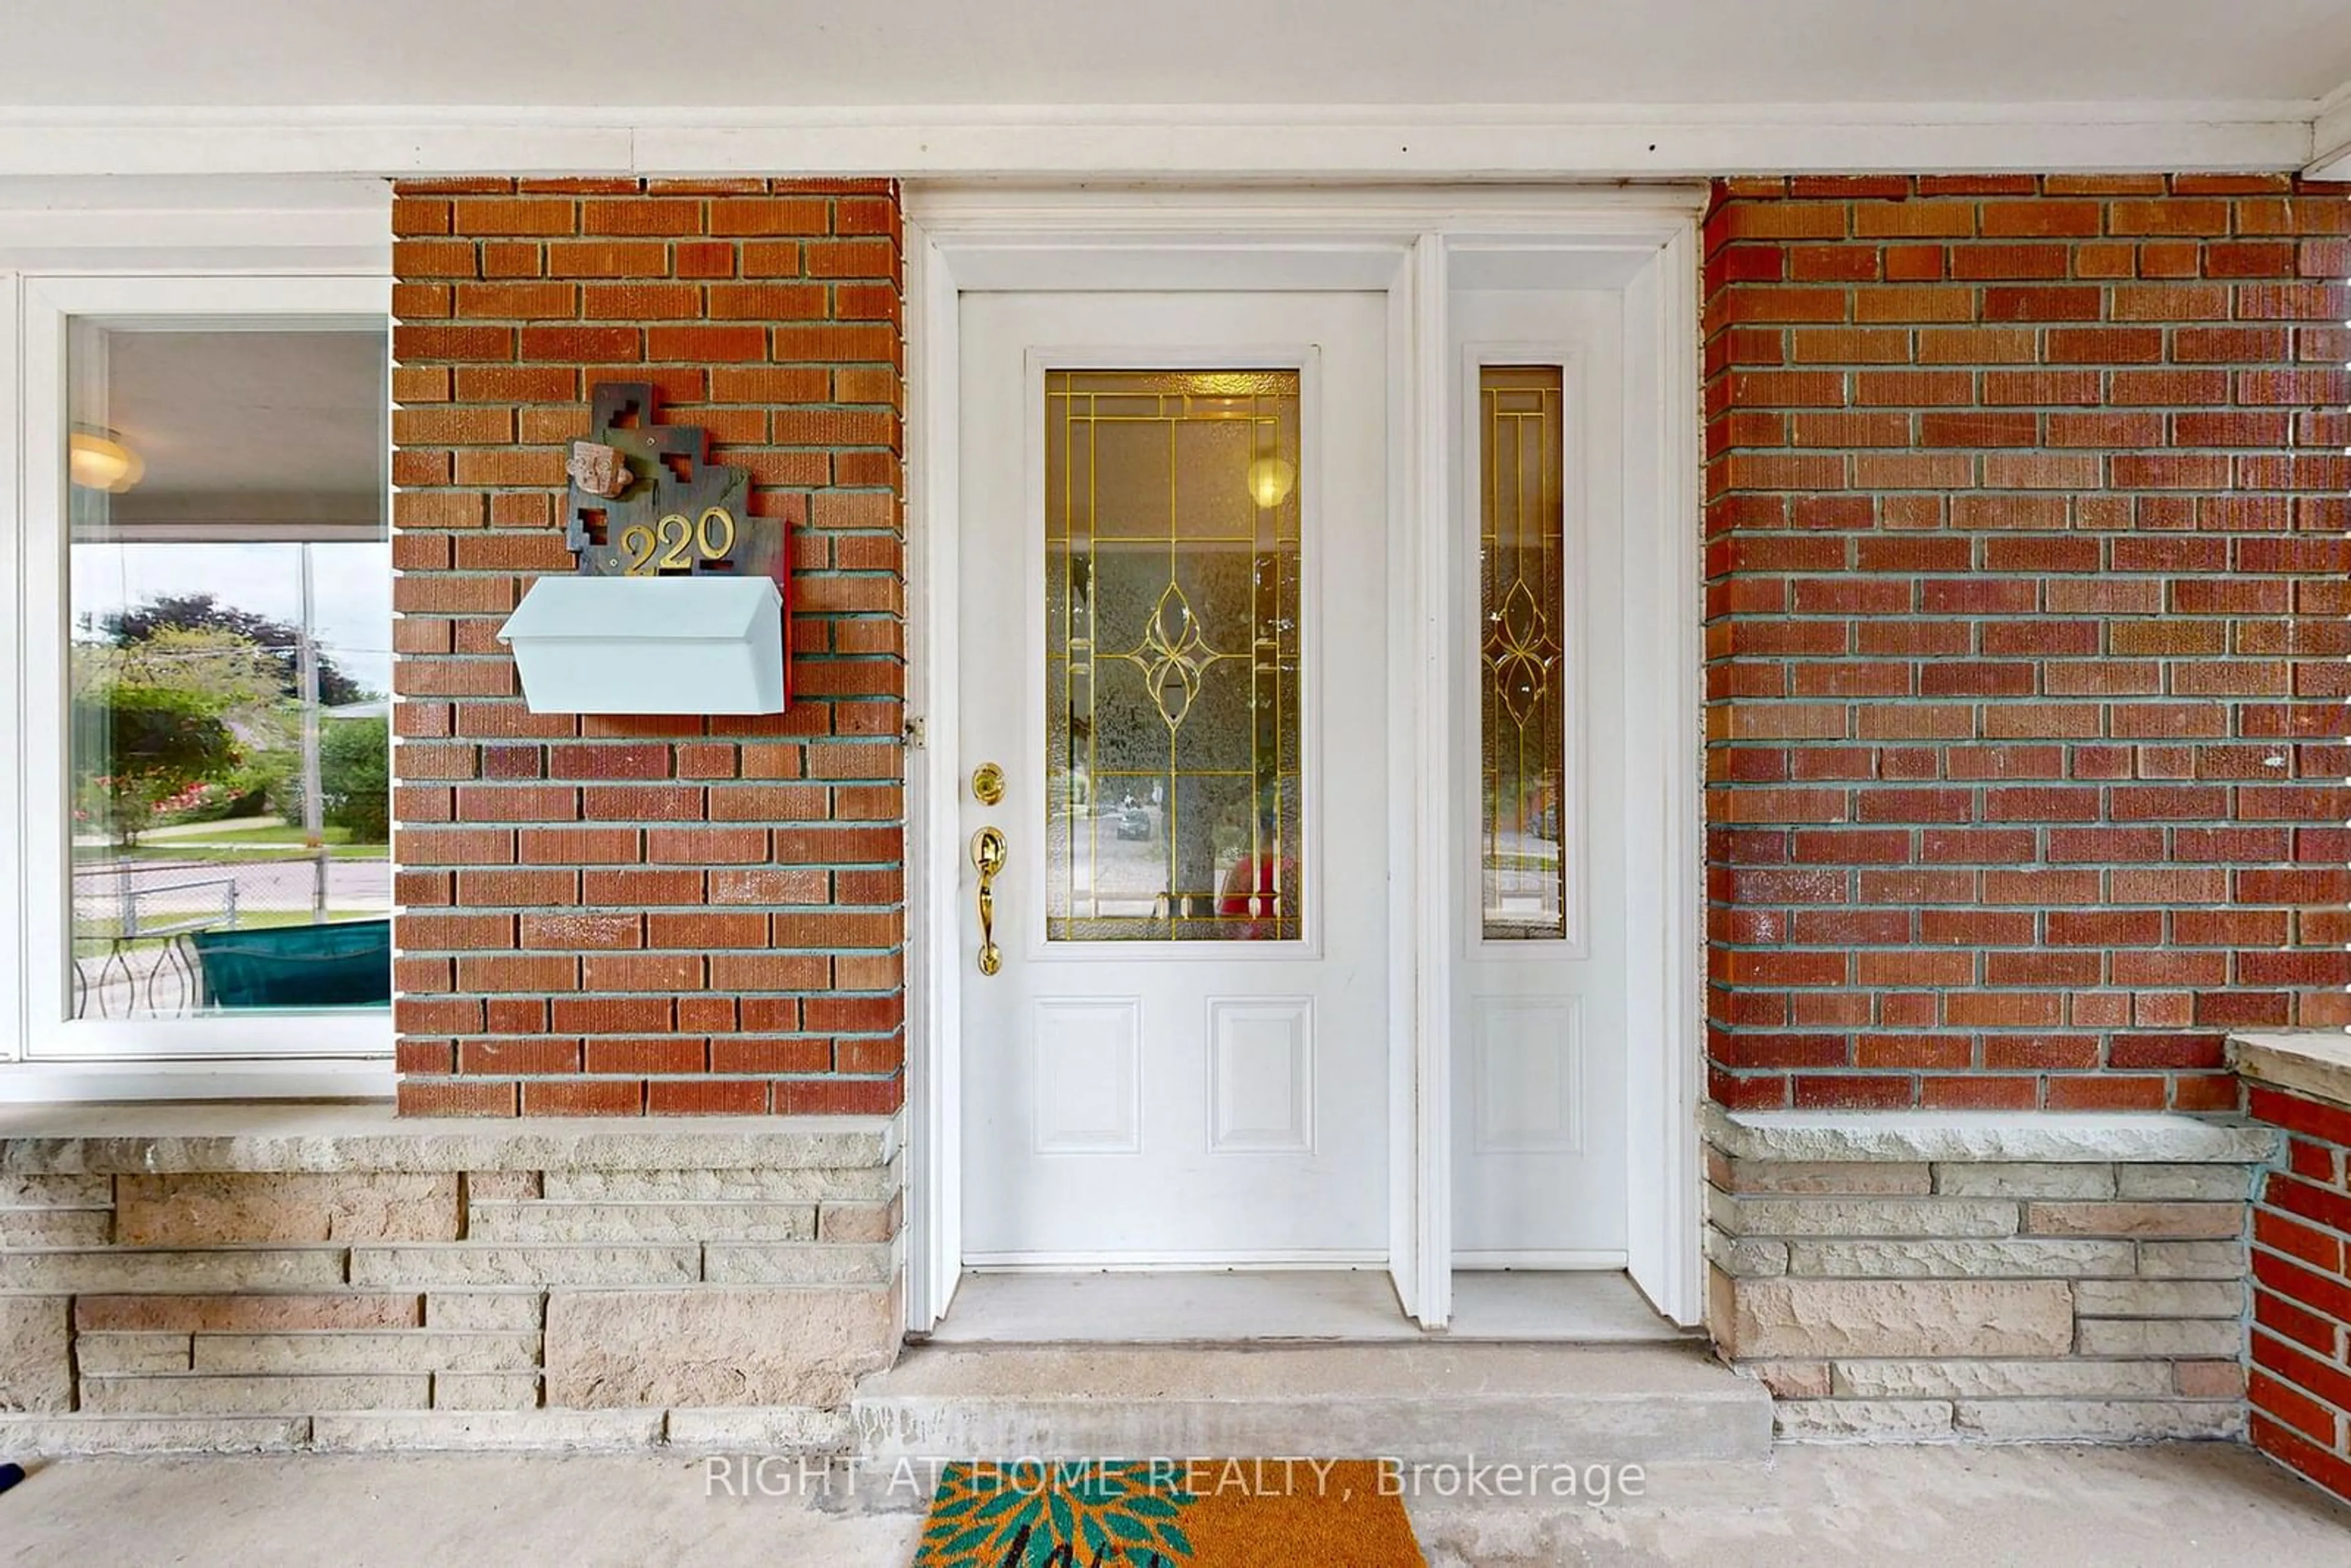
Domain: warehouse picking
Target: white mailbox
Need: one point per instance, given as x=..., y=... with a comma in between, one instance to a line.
x=650, y=644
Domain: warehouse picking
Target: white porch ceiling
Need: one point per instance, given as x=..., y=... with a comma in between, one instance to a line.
x=788, y=53
x=1364, y=87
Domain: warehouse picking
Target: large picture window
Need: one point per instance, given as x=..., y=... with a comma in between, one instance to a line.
x=207, y=634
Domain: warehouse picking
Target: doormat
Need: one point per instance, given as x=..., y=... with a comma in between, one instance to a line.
x=1168, y=1514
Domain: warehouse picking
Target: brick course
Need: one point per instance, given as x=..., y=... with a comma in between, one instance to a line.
x=2301, y=1352
x=634, y=915
x=2026, y=577
x=2025, y=585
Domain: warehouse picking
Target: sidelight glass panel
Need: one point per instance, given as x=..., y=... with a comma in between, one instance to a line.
x=1172, y=561
x=1522, y=721
x=228, y=668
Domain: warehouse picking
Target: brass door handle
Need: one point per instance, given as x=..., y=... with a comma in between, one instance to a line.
x=987, y=854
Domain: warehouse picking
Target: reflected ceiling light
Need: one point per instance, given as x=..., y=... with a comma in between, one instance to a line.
x=1270, y=480
x=99, y=460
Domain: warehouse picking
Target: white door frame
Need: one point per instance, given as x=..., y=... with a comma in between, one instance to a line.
x=1405, y=243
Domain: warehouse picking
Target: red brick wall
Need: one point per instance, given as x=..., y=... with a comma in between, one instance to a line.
x=2301, y=1380
x=618, y=917
x=2025, y=587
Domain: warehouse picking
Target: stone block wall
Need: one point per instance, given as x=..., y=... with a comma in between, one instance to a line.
x=726, y=1283
x=2300, y=1344
x=1911, y=1277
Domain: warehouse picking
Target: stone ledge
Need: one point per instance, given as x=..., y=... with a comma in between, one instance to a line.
x=2315, y=1062
x=762, y=1429
x=50, y=1435
x=785, y=1430
x=46, y=1140
x=2039, y=1136
x=1415, y=1401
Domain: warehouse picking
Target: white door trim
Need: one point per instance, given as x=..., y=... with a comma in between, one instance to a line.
x=1664, y=719
x=1407, y=242
x=1421, y=982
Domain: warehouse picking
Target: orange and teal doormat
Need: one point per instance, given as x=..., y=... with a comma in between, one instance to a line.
x=1168, y=1513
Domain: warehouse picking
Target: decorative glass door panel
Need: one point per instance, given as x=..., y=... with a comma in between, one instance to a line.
x=1522, y=727
x=1173, y=764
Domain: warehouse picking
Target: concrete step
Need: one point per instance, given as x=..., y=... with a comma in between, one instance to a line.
x=1523, y=1403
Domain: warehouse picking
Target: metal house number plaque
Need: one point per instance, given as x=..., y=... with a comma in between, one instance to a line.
x=646, y=500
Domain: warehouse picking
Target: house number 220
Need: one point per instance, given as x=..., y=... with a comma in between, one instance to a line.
x=663, y=547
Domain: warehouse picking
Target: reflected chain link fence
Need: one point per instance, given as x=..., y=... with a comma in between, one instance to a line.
x=133, y=919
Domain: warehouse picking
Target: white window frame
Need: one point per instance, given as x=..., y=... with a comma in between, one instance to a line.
x=43, y=1054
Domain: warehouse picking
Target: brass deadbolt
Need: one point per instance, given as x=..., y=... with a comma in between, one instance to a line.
x=987, y=783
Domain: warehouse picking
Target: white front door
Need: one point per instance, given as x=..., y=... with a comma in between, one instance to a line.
x=1173, y=606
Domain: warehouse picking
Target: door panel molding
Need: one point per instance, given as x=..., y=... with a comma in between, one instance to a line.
x=1512, y=1080
x=1099, y=1033
x=1412, y=244
x=1232, y=1130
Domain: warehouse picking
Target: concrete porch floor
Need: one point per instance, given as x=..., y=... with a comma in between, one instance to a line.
x=2153, y=1507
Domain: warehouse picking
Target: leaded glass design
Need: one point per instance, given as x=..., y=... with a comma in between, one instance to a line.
x=1522, y=720
x=1172, y=561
